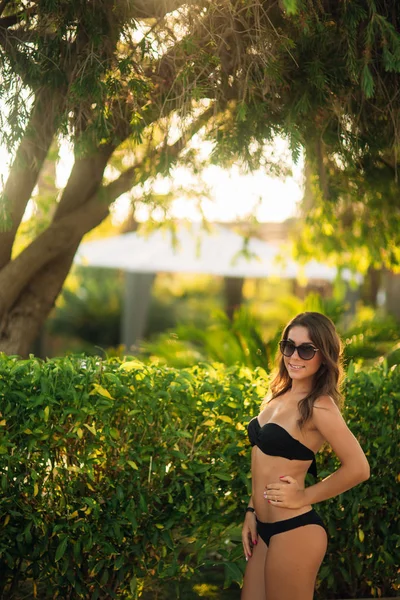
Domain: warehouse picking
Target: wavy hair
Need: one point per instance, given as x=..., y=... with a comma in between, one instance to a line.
x=328, y=379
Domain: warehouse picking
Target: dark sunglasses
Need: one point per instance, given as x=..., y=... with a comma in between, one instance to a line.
x=305, y=351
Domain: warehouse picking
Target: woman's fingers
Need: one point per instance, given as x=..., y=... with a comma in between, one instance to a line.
x=273, y=494
x=253, y=535
x=249, y=540
x=273, y=487
x=246, y=544
x=247, y=548
x=280, y=503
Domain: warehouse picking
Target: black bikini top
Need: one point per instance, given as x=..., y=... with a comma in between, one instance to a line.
x=273, y=439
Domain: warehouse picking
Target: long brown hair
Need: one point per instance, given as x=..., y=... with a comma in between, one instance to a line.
x=327, y=380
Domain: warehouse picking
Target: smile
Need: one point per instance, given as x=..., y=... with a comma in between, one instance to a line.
x=296, y=366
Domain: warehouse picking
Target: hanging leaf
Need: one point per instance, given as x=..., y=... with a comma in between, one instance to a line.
x=291, y=6
x=61, y=549
x=367, y=82
x=101, y=390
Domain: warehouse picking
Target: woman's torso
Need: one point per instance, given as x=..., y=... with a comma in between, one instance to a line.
x=266, y=469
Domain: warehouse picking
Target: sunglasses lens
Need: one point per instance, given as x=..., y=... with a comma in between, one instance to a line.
x=287, y=348
x=306, y=352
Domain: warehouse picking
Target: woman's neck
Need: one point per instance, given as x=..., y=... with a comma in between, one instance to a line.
x=302, y=387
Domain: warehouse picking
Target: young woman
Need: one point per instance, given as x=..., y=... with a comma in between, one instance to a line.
x=284, y=539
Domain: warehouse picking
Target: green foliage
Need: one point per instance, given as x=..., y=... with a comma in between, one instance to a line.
x=90, y=308
x=228, y=342
x=363, y=523
x=73, y=50
x=352, y=177
x=393, y=356
x=117, y=475
x=291, y=6
x=108, y=469
x=186, y=325
x=371, y=335
x=326, y=80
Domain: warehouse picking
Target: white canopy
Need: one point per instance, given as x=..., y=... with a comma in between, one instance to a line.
x=194, y=250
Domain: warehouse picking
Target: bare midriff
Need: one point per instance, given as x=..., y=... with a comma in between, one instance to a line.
x=267, y=469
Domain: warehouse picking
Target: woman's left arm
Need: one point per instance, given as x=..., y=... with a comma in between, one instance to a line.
x=354, y=464
x=353, y=470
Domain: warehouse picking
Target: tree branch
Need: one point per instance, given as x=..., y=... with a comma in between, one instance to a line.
x=11, y=20
x=68, y=230
x=394, y=167
x=28, y=162
x=3, y=5
x=130, y=177
x=84, y=180
x=9, y=41
x=147, y=9
x=59, y=237
x=322, y=174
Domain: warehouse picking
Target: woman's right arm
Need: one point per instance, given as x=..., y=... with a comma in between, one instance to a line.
x=249, y=531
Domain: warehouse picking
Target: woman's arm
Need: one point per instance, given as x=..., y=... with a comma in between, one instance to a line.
x=354, y=465
x=250, y=502
x=249, y=531
x=353, y=470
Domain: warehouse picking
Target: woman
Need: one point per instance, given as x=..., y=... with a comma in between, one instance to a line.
x=284, y=539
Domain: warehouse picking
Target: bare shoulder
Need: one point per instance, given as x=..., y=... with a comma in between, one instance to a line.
x=326, y=403
x=330, y=423
x=327, y=417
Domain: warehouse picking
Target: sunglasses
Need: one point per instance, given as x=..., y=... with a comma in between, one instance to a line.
x=305, y=351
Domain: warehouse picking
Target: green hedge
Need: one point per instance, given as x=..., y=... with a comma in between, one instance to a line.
x=363, y=523
x=118, y=476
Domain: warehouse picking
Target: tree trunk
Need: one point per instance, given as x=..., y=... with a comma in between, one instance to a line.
x=233, y=288
x=372, y=285
x=27, y=165
x=392, y=285
x=30, y=283
x=21, y=325
x=37, y=275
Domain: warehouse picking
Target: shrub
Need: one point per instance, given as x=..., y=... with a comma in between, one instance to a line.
x=225, y=341
x=370, y=336
x=363, y=523
x=118, y=475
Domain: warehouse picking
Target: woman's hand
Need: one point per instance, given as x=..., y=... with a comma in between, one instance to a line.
x=249, y=533
x=287, y=494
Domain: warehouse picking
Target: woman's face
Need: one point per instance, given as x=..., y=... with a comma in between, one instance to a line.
x=297, y=367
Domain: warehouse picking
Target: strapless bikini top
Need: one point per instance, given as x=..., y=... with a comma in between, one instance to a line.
x=274, y=440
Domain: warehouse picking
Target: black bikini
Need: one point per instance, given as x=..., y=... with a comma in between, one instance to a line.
x=274, y=440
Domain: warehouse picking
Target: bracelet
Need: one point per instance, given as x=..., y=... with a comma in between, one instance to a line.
x=250, y=509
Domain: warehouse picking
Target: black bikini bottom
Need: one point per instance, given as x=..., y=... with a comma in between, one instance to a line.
x=267, y=530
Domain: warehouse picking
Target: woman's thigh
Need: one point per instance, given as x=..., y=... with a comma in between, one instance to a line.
x=294, y=558
x=253, y=582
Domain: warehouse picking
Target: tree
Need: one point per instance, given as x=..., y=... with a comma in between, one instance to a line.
x=352, y=203
x=143, y=77
x=88, y=78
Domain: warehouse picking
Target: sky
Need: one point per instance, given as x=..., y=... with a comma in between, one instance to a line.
x=235, y=196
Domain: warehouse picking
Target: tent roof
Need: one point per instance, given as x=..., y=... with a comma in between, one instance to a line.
x=218, y=252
